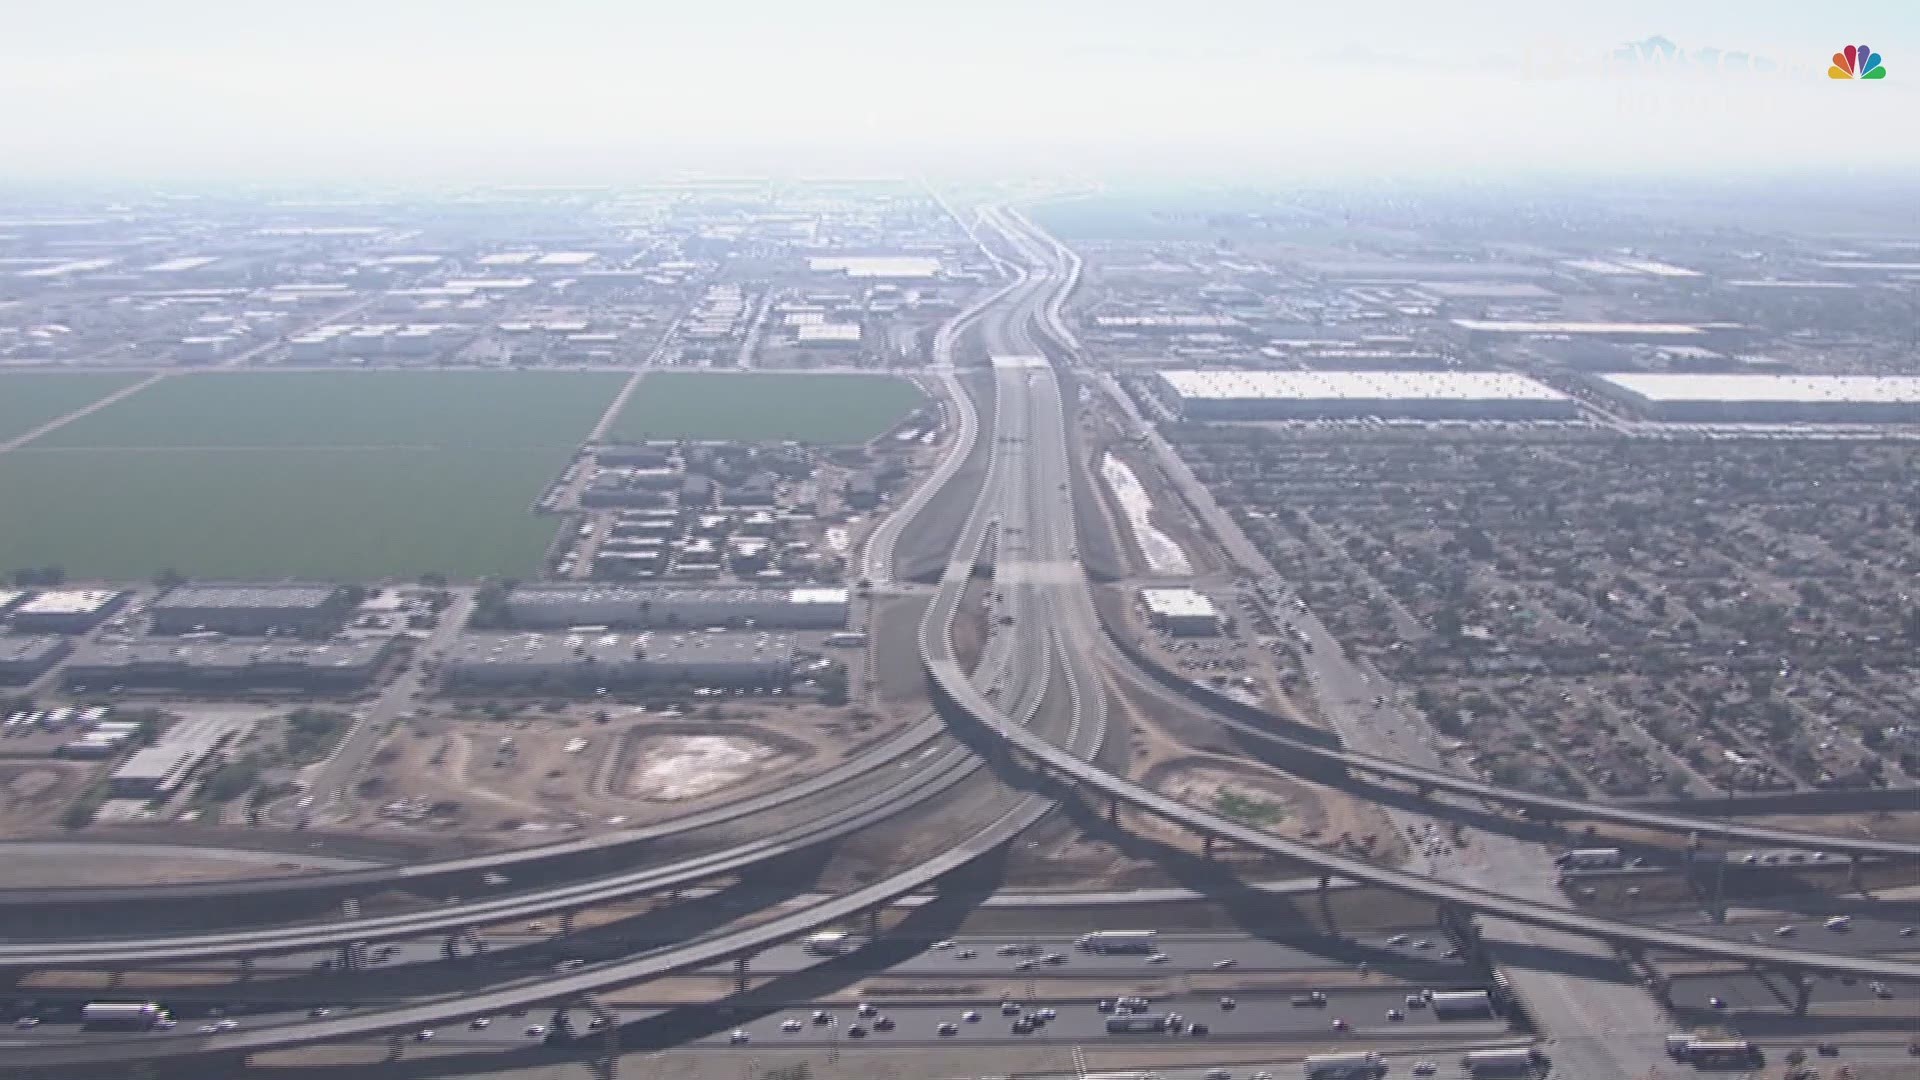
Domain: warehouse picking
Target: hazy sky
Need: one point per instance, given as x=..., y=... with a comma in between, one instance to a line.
x=579, y=89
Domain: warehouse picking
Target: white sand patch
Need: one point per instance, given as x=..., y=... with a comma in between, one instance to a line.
x=676, y=767
x=1163, y=555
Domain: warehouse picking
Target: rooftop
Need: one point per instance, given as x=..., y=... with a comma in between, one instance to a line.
x=247, y=596
x=69, y=602
x=877, y=266
x=346, y=652
x=1179, y=603
x=1494, y=326
x=1359, y=385
x=1863, y=389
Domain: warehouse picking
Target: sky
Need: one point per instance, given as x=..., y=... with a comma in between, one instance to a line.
x=583, y=90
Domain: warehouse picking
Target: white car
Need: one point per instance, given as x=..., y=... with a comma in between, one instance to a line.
x=1425, y=1068
x=535, y=1031
x=423, y=1035
x=227, y=1025
x=791, y=1026
x=1158, y=958
x=480, y=1023
x=26, y=1022
x=942, y=945
x=738, y=1037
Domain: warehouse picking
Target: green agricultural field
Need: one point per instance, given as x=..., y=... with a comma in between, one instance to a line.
x=765, y=406
x=342, y=475
x=29, y=399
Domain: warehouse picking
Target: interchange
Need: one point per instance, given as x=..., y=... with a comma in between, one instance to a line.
x=1054, y=632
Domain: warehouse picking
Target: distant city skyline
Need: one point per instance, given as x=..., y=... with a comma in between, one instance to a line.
x=488, y=90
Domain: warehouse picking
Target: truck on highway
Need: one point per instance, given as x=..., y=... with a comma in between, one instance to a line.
x=1711, y=1053
x=1358, y=1065
x=121, y=1015
x=830, y=943
x=1455, y=1004
x=1509, y=1061
x=1605, y=858
x=1138, y=1024
x=1119, y=941
x=847, y=639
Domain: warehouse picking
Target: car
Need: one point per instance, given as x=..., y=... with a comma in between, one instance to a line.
x=1158, y=958
x=948, y=944
x=946, y=1030
x=1396, y=1014
x=970, y=1016
x=534, y=1031
x=1218, y=1074
x=965, y=954
x=208, y=1029
x=1339, y=1023
x=1783, y=931
x=1222, y=965
x=1425, y=1068
x=866, y=1008
x=1416, y=1001
x=1716, y=1003
x=1024, y=965
x=423, y=1035
x=1880, y=989
x=1105, y=1005
x=791, y=1026
x=1906, y=931
x=739, y=1036
x=855, y=1031
x=319, y=1012
x=599, y=1022
x=1397, y=939
x=1022, y=1026
x=1263, y=1075
x=822, y=1016
x=26, y=1022
x=1198, y=1028
x=1423, y=943
x=480, y=1023
x=883, y=1023
x=1828, y=1049
x=165, y=1023
x=1452, y=953
x=1009, y=1008
x=226, y=1025
x=1228, y=1003
x=1054, y=958
x=1047, y=1014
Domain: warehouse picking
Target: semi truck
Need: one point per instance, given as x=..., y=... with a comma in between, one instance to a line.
x=830, y=943
x=1510, y=1061
x=121, y=1015
x=1454, y=1004
x=1138, y=1024
x=1359, y=1065
x=1605, y=858
x=1710, y=1053
x=1119, y=941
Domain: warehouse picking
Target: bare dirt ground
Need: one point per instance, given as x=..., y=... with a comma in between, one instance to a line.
x=525, y=780
x=32, y=794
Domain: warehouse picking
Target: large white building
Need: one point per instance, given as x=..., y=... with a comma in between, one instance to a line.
x=611, y=660
x=1768, y=398
x=1338, y=395
x=642, y=607
x=1182, y=612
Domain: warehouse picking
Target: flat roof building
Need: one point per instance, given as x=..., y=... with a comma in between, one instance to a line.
x=645, y=607
x=1338, y=395
x=1768, y=397
x=159, y=770
x=66, y=611
x=335, y=666
x=1182, y=612
x=583, y=662
x=877, y=266
x=249, y=609
x=24, y=658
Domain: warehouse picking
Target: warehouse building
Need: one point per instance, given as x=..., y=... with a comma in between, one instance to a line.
x=1181, y=612
x=1347, y=395
x=158, y=771
x=250, y=609
x=66, y=611
x=331, y=666
x=1480, y=332
x=645, y=608
x=24, y=658
x=1767, y=398
x=594, y=661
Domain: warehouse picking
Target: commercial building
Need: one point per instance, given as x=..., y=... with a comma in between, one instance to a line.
x=160, y=770
x=250, y=609
x=66, y=611
x=896, y=267
x=1768, y=398
x=1344, y=395
x=24, y=658
x=593, y=661
x=644, y=607
x=1181, y=612
x=330, y=666
x=1497, y=331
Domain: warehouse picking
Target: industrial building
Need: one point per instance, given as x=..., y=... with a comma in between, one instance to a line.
x=1346, y=395
x=593, y=661
x=157, y=771
x=1767, y=398
x=66, y=611
x=331, y=666
x=1479, y=332
x=250, y=609
x=1182, y=612
x=24, y=658
x=644, y=607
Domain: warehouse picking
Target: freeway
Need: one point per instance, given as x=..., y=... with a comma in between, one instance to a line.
x=1034, y=649
x=945, y=672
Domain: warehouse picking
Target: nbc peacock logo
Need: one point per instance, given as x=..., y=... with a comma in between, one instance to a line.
x=1856, y=62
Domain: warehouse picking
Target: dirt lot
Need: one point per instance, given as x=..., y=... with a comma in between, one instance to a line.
x=33, y=793
x=507, y=783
